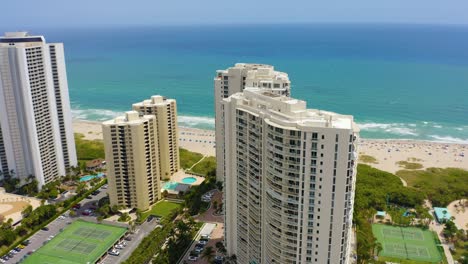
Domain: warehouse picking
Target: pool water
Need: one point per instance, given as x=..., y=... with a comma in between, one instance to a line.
x=90, y=177
x=170, y=186
x=189, y=180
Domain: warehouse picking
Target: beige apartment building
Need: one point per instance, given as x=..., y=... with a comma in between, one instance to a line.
x=289, y=180
x=234, y=80
x=165, y=111
x=131, y=148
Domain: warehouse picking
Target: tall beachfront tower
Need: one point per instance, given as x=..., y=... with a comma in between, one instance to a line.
x=234, y=80
x=165, y=111
x=132, y=156
x=36, y=134
x=289, y=182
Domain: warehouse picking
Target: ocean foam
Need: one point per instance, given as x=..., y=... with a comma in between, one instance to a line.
x=95, y=114
x=448, y=139
x=391, y=128
x=196, y=121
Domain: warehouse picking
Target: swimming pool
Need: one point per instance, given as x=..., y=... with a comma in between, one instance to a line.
x=90, y=177
x=170, y=186
x=189, y=180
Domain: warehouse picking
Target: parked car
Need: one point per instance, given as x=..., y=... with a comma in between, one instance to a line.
x=128, y=238
x=118, y=246
x=26, y=242
x=218, y=260
x=45, y=228
x=89, y=197
x=77, y=206
x=193, y=256
x=86, y=213
x=114, y=252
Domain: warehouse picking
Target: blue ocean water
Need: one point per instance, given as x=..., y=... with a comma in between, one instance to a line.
x=399, y=81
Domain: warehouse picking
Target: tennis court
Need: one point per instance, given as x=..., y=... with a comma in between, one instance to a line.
x=407, y=243
x=80, y=242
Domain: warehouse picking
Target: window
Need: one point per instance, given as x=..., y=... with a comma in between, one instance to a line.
x=314, y=136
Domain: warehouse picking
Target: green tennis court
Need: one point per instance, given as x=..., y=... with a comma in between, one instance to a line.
x=80, y=242
x=407, y=243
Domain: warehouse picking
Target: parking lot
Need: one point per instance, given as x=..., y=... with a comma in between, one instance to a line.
x=52, y=229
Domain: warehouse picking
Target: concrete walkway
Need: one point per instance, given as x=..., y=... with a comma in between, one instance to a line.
x=197, y=163
x=438, y=228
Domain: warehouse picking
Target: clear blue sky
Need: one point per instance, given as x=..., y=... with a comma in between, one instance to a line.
x=19, y=14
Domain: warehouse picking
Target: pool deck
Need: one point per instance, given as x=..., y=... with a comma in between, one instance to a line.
x=180, y=175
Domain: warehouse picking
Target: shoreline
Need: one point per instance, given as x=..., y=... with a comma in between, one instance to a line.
x=387, y=152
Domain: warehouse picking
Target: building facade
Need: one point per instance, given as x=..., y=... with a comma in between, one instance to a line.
x=234, y=80
x=165, y=111
x=289, y=180
x=36, y=134
x=132, y=160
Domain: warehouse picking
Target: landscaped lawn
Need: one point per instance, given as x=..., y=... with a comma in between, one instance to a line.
x=163, y=209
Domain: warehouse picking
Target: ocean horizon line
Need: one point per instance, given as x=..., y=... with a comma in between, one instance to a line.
x=247, y=24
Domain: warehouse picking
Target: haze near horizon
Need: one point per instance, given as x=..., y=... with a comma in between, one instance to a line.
x=54, y=13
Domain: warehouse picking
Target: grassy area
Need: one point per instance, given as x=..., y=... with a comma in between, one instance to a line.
x=88, y=149
x=162, y=208
x=188, y=158
x=409, y=165
x=408, y=243
x=80, y=242
x=441, y=186
x=461, y=250
x=207, y=167
x=367, y=159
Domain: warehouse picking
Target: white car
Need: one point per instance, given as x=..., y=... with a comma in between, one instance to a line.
x=192, y=258
x=114, y=252
x=118, y=246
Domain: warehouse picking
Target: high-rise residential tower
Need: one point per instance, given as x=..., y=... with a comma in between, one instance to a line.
x=234, y=80
x=165, y=111
x=131, y=147
x=36, y=134
x=289, y=182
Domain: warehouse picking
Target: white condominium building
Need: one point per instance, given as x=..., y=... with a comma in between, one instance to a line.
x=289, y=182
x=36, y=134
x=131, y=147
x=234, y=80
x=165, y=111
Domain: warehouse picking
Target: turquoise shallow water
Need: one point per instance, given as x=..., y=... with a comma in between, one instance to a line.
x=398, y=81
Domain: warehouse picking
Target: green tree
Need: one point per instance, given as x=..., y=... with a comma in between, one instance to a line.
x=27, y=211
x=450, y=230
x=208, y=253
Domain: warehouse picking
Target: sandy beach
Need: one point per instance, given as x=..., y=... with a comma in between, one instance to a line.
x=429, y=154
x=386, y=152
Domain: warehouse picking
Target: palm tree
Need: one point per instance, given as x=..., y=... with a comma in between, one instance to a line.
x=208, y=254
x=231, y=259
x=378, y=248
x=219, y=244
